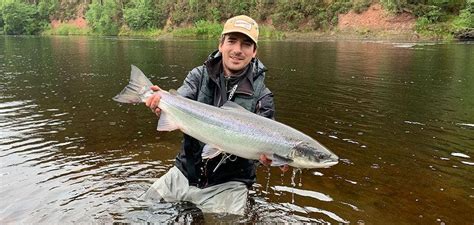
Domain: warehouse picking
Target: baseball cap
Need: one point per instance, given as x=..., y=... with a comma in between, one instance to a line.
x=242, y=24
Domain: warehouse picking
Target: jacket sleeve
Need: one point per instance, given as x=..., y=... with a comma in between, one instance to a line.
x=192, y=83
x=265, y=105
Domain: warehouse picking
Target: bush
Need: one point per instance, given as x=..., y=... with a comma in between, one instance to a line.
x=266, y=32
x=1, y=19
x=21, y=18
x=46, y=8
x=335, y=9
x=102, y=18
x=391, y=5
x=67, y=29
x=431, y=12
x=139, y=14
x=361, y=6
x=465, y=19
x=289, y=15
x=201, y=28
x=151, y=32
x=208, y=29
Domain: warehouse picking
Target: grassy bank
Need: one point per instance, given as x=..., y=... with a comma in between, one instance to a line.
x=156, y=18
x=67, y=29
x=201, y=30
x=426, y=28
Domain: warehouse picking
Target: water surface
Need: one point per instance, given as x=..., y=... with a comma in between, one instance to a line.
x=400, y=116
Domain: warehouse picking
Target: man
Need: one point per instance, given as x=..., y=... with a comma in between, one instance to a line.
x=232, y=73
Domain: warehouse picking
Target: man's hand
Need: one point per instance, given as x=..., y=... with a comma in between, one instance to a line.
x=266, y=161
x=153, y=101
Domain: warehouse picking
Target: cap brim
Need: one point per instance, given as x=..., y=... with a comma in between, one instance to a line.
x=240, y=31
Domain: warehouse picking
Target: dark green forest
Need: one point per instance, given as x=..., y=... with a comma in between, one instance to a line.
x=205, y=17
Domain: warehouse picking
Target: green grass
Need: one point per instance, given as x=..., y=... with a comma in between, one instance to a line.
x=150, y=33
x=67, y=29
x=201, y=29
x=267, y=32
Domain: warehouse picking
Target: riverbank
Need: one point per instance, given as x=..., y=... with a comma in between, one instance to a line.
x=373, y=23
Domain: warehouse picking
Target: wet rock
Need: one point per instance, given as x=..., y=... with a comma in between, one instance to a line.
x=465, y=35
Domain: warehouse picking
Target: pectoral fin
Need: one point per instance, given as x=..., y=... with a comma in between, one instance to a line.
x=279, y=160
x=166, y=123
x=209, y=152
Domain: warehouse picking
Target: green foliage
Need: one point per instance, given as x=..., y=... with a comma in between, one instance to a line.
x=148, y=17
x=289, y=15
x=201, y=28
x=431, y=12
x=336, y=8
x=103, y=19
x=266, y=32
x=448, y=5
x=422, y=23
x=292, y=14
x=215, y=14
x=187, y=11
x=361, y=6
x=208, y=29
x=391, y=5
x=46, y=8
x=67, y=29
x=150, y=32
x=139, y=14
x=1, y=19
x=237, y=7
x=465, y=19
x=21, y=18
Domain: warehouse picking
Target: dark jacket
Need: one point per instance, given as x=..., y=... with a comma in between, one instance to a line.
x=203, y=84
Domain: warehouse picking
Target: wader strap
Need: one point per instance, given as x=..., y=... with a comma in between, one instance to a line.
x=223, y=90
x=190, y=162
x=231, y=94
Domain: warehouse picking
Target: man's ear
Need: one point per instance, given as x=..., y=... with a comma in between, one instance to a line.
x=254, y=53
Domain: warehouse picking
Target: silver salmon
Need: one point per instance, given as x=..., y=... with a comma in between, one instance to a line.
x=230, y=129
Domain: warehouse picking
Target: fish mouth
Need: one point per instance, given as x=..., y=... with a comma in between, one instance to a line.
x=330, y=163
x=308, y=164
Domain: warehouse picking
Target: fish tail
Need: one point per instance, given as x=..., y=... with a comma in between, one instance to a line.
x=137, y=90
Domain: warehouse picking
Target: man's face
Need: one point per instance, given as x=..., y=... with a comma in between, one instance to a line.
x=237, y=50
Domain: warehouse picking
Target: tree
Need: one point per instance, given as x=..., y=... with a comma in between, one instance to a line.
x=139, y=14
x=21, y=18
x=102, y=18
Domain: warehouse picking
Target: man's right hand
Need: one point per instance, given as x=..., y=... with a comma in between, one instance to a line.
x=267, y=162
x=153, y=101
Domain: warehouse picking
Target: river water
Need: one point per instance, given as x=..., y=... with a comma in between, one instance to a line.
x=399, y=115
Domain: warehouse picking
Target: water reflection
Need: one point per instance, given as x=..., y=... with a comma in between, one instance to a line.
x=399, y=116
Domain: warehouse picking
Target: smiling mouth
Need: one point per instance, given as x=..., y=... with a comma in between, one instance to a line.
x=236, y=58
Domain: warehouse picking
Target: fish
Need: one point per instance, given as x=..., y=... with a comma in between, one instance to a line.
x=230, y=129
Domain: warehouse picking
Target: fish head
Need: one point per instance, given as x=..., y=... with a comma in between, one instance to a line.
x=312, y=155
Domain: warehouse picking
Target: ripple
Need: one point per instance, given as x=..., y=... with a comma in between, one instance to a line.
x=468, y=163
x=327, y=213
x=312, y=194
x=460, y=155
x=467, y=125
x=18, y=142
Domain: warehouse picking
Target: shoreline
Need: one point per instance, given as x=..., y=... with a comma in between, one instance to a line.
x=310, y=36
x=316, y=36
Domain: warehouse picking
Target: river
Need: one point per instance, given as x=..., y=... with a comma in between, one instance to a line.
x=399, y=115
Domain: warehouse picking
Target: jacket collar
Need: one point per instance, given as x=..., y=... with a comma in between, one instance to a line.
x=214, y=68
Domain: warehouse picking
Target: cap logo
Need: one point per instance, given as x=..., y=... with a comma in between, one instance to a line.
x=244, y=24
